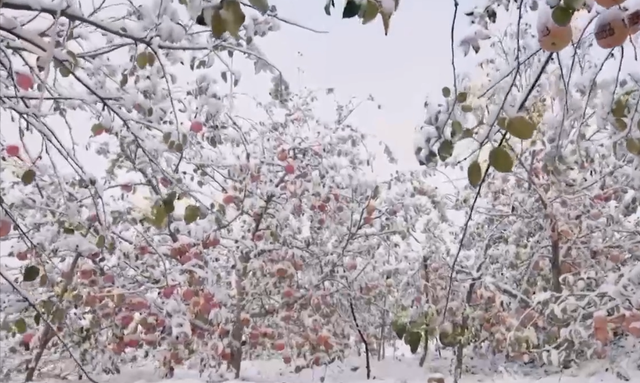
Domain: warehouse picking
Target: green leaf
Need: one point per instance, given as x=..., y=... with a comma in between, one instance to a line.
x=446, y=92
x=28, y=176
x=158, y=216
x=124, y=80
x=142, y=60
x=633, y=145
x=261, y=5
x=399, y=328
x=466, y=108
x=369, y=12
x=233, y=17
x=64, y=71
x=20, y=325
x=520, y=127
x=151, y=58
x=100, y=242
x=502, y=122
x=58, y=315
x=445, y=150
x=501, y=160
x=621, y=125
x=351, y=9
x=461, y=97
x=218, y=26
x=97, y=129
x=36, y=319
x=619, y=109
x=413, y=340
x=561, y=15
x=30, y=273
x=456, y=128
x=474, y=173
x=327, y=7
x=191, y=214
x=166, y=137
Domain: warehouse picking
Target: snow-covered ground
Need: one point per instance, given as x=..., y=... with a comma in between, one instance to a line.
x=401, y=369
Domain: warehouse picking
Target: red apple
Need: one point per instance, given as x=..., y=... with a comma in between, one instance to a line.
x=279, y=345
x=211, y=241
x=282, y=155
x=85, y=274
x=196, y=126
x=5, y=227
x=27, y=337
x=22, y=255
x=259, y=236
x=286, y=359
x=188, y=294
x=168, y=291
x=125, y=319
x=289, y=169
x=126, y=188
x=165, y=182
x=351, y=265
x=143, y=250
x=228, y=199
x=368, y=220
x=109, y=279
x=24, y=81
x=13, y=150
x=288, y=292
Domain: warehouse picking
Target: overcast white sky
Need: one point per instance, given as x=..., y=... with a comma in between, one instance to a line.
x=399, y=70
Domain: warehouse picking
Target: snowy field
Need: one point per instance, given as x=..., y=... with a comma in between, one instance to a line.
x=401, y=369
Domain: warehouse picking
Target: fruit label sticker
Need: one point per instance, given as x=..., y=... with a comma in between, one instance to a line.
x=605, y=31
x=545, y=32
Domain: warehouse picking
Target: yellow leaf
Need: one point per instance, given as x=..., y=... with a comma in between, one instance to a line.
x=218, y=26
x=633, y=146
x=501, y=160
x=621, y=124
x=261, y=5
x=233, y=16
x=520, y=127
x=474, y=174
x=370, y=12
x=142, y=60
x=151, y=58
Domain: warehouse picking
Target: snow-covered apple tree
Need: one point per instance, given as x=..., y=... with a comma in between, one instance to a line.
x=548, y=133
x=146, y=218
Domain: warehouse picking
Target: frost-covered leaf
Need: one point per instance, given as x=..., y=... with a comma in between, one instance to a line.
x=446, y=92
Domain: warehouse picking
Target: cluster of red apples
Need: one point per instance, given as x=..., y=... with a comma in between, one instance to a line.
x=613, y=26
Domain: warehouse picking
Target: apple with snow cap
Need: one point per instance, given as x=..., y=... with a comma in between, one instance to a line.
x=551, y=36
x=611, y=29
